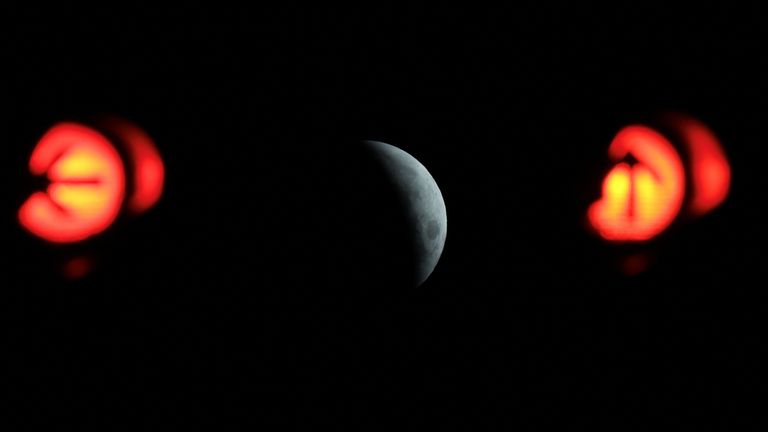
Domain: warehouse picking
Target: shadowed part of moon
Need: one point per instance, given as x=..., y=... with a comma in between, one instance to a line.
x=423, y=201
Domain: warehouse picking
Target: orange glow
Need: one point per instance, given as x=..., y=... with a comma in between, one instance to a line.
x=710, y=171
x=87, y=185
x=639, y=201
x=148, y=168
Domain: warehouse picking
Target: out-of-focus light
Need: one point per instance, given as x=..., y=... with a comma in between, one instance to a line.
x=709, y=168
x=77, y=268
x=148, y=168
x=634, y=265
x=87, y=185
x=640, y=200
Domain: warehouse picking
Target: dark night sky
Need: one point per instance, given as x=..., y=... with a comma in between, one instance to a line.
x=239, y=298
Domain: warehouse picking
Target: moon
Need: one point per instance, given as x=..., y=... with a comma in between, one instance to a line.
x=423, y=201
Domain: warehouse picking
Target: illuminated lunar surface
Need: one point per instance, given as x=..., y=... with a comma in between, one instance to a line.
x=424, y=203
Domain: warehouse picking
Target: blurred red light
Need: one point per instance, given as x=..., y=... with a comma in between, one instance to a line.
x=77, y=268
x=148, y=169
x=87, y=185
x=639, y=201
x=710, y=170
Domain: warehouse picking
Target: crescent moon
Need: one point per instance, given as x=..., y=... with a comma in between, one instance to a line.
x=424, y=204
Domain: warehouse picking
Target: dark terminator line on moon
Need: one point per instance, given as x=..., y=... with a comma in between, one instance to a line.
x=426, y=213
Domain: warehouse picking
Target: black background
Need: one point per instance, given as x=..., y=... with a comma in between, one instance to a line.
x=238, y=301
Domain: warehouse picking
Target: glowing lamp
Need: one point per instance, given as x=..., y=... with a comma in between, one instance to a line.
x=87, y=185
x=640, y=200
